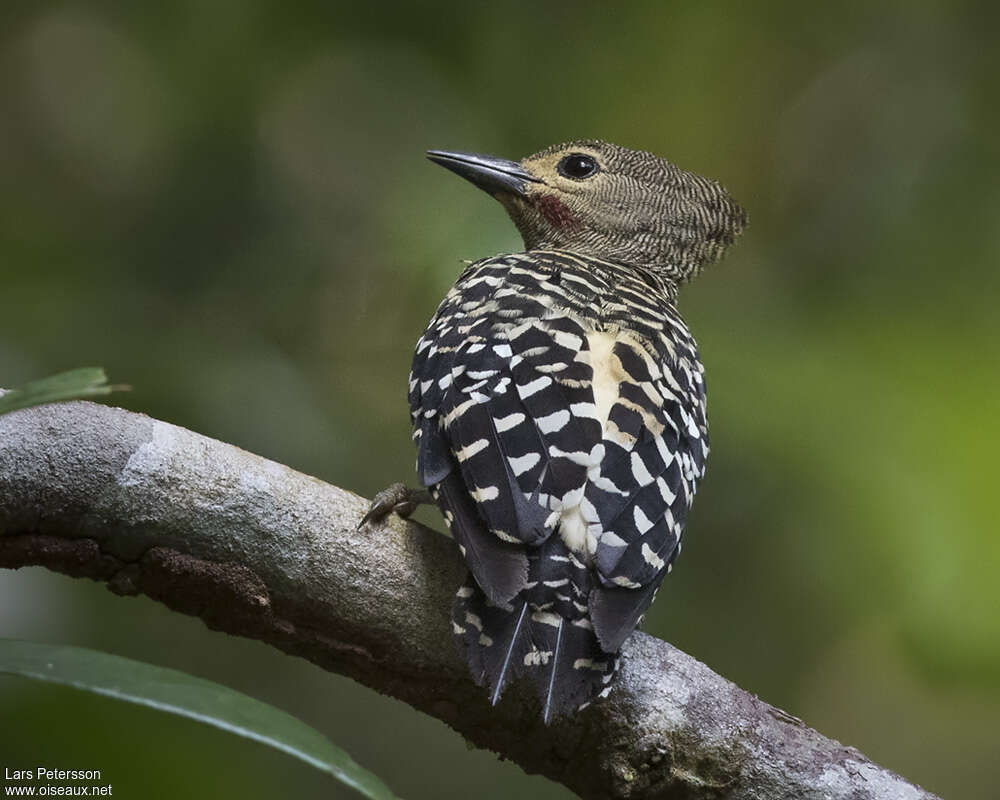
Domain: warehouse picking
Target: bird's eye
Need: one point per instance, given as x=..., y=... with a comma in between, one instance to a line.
x=577, y=166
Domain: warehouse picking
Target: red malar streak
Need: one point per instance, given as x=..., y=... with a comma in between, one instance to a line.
x=555, y=211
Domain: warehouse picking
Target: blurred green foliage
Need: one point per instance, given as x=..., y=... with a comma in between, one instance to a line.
x=226, y=205
x=83, y=383
x=185, y=695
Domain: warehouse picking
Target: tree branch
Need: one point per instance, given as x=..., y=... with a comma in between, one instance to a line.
x=259, y=550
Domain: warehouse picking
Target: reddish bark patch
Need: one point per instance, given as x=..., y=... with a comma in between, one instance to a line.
x=556, y=213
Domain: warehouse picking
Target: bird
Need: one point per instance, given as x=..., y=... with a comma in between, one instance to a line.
x=557, y=402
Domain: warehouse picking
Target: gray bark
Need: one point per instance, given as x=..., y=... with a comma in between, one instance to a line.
x=256, y=549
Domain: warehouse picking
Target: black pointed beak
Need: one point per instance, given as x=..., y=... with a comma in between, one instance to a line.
x=491, y=174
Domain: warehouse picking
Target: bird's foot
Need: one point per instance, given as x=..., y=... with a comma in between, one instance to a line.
x=397, y=498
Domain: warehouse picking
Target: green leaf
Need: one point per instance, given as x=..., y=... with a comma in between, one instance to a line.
x=187, y=696
x=76, y=384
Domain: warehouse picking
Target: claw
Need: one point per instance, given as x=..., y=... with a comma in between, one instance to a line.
x=399, y=498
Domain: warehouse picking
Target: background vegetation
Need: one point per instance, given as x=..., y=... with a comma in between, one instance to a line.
x=226, y=205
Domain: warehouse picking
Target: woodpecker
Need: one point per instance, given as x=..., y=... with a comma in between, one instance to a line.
x=558, y=408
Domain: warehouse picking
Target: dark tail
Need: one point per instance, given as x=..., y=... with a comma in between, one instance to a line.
x=553, y=673
x=560, y=656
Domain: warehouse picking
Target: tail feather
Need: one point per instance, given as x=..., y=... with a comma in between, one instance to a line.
x=578, y=670
x=553, y=672
x=498, y=679
x=562, y=658
x=495, y=639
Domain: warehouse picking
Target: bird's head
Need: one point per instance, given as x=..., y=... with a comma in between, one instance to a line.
x=599, y=199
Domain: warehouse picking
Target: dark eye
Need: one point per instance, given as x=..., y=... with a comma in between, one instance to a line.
x=577, y=166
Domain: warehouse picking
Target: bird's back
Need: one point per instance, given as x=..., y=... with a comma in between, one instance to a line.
x=558, y=406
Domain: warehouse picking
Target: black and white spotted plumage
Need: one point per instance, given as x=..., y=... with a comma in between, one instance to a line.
x=558, y=406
